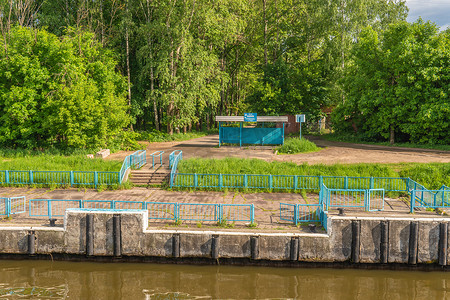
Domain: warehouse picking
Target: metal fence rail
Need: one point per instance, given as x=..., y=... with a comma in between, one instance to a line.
x=423, y=198
x=201, y=212
x=299, y=213
x=177, y=156
x=290, y=182
x=12, y=206
x=155, y=155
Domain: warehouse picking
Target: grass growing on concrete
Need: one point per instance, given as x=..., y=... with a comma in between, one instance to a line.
x=431, y=175
x=297, y=145
x=56, y=162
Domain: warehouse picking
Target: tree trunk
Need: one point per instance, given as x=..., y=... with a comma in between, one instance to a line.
x=392, y=135
x=265, y=32
x=155, y=108
x=128, y=65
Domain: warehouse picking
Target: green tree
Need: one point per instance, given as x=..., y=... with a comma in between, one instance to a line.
x=398, y=87
x=62, y=92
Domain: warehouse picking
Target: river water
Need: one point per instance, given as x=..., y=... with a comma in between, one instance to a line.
x=82, y=280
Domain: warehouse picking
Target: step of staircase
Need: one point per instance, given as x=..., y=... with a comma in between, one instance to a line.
x=150, y=176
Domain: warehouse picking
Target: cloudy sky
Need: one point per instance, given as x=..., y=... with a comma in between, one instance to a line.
x=437, y=11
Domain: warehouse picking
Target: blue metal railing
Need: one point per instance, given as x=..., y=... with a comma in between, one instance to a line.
x=175, y=160
x=52, y=208
x=172, y=157
x=12, y=205
x=155, y=155
x=423, y=198
x=289, y=182
x=74, y=178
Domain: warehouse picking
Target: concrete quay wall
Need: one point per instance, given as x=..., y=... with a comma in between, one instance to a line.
x=355, y=240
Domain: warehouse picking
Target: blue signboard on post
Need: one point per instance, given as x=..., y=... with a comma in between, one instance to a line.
x=300, y=118
x=250, y=117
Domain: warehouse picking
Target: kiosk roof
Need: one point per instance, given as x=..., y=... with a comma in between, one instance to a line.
x=274, y=119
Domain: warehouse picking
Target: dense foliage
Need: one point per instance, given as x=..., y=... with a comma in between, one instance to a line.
x=61, y=91
x=297, y=145
x=398, y=86
x=185, y=61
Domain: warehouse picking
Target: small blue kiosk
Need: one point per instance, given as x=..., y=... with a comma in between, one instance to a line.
x=251, y=135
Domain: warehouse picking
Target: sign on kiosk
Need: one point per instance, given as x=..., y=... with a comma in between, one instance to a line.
x=250, y=117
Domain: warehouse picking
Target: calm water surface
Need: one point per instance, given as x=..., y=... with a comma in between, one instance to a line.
x=76, y=280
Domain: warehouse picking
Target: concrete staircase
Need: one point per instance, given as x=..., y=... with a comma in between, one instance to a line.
x=145, y=176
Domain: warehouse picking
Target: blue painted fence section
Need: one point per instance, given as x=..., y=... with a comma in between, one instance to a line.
x=289, y=182
x=177, y=156
x=13, y=205
x=74, y=178
x=172, y=156
x=155, y=156
x=156, y=210
x=423, y=198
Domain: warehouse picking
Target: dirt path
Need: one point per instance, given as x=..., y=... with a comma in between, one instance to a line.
x=332, y=152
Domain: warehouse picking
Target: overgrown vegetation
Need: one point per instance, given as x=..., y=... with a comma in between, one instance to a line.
x=431, y=175
x=297, y=145
x=159, y=136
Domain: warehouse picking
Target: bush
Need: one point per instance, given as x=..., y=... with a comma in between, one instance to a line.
x=297, y=145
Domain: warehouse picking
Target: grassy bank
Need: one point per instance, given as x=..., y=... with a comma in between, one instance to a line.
x=359, y=140
x=431, y=175
x=57, y=162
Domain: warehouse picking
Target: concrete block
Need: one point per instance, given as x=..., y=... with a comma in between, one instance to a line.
x=103, y=153
x=399, y=241
x=274, y=247
x=341, y=239
x=370, y=241
x=234, y=246
x=157, y=244
x=50, y=241
x=428, y=242
x=195, y=245
x=313, y=248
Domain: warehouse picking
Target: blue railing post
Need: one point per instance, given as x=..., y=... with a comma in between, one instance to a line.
x=49, y=208
x=413, y=200
x=252, y=212
x=7, y=177
x=72, y=179
x=176, y=213
x=80, y=202
x=367, y=199
x=346, y=182
x=220, y=213
x=371, y=183
x=320, y=181
x=296, y=214
x=245, y=181
x=30, y=176
x=270, y=181
x=295, y=182
x=220, y=181
x=195, y=180
x=95, y=179
x=8, y=207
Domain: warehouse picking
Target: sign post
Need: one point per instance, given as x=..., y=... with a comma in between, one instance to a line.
x=300, y=119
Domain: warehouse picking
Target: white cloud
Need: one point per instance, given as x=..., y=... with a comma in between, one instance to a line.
x=437, y=11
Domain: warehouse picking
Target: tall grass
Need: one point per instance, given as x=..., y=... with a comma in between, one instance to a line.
x=55, y=162
x=159, y=136
x=297, y=145
x=432, y=176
